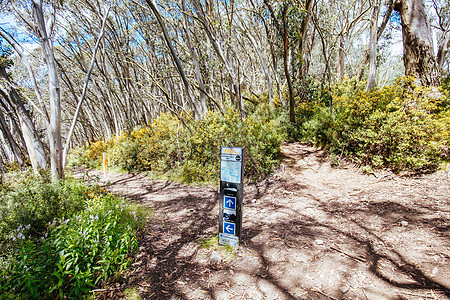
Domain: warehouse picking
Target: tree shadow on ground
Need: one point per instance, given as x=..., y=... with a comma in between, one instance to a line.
x=389, y=254
x=162, y=262
x=169, y=244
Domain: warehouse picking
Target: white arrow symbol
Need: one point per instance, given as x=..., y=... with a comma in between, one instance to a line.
x=230, y=202
x=229, y=228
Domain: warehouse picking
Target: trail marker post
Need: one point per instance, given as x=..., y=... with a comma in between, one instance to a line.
x=105, y=164
x=231, y=195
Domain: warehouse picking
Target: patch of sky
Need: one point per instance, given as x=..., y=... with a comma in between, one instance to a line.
x=395, y=18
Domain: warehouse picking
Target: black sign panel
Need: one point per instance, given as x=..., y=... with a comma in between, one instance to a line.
x=231, y=188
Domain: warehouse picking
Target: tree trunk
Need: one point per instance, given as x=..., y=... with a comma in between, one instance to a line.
x=274, y=64
x=443, y=50
x=234, y=80
x=83, y=94
x=303, y=44
x=13, y=146
x=54, y=130
x=387, y=16
x=373, y=49
x=286, y=68
x=341, y=57
x=417, y=44
x=198, y=74
x=30, y=135
x=263, y=65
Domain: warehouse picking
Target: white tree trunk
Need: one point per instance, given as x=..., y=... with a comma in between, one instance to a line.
x=203, y=106
x=54, y=130
x=373, y=49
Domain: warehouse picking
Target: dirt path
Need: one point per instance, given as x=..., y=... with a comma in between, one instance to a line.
x=310, y=231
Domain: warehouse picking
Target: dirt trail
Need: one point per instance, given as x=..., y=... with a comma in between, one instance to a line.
x=310, y=231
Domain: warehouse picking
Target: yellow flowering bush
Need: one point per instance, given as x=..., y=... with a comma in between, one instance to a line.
x=192, y=155
x=90, y=155
x=403, y=126
x=260, y=133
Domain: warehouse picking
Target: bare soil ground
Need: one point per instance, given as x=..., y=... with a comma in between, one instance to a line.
x=310, y=231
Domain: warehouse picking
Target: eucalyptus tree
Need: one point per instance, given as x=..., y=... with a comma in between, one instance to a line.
x=282, y=29
x=194, y=104
x=348, y=24
x=85, y=86
x=442, y=25
x=271, y=39
x=213, y=32
x=249, y=34
x=13, y=103
x=370, y=54
x=373, y=47
x=195, y=60
x=40, y=20
x=11, y=150
x=418, y=56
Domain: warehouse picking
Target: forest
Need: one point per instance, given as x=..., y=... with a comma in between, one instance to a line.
x=160, y=85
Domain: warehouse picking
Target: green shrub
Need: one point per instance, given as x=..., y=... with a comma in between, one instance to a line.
x=88, y=156
x=403, y=126
x=168, y=147
x=60, y=239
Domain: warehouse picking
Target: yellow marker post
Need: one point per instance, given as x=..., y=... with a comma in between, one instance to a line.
x=105, y=165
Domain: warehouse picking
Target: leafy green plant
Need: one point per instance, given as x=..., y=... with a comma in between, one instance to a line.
x=61, y=239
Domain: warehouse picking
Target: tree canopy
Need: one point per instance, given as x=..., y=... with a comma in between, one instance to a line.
x=81, y=70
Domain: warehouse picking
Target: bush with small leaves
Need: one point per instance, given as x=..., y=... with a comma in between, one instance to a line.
x=404, y=127
x=192, y=155
x=60, y=239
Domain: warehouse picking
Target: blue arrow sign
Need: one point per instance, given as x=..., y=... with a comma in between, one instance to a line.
x=229, y=202
x=228, y=228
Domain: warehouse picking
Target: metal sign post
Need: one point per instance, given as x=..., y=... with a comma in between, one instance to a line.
x=230, y=201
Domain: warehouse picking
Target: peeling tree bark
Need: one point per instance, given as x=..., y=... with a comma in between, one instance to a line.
x=418, y=55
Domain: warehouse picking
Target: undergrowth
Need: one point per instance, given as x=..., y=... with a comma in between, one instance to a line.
x=403, y=127
x=59, y=240
x=167, y=147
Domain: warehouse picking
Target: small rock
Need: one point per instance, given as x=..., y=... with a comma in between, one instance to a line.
x=215, y=259
x=435, y=270
x=344, y=289
x=141, y=249
x=404, y=223
x=320, y=242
